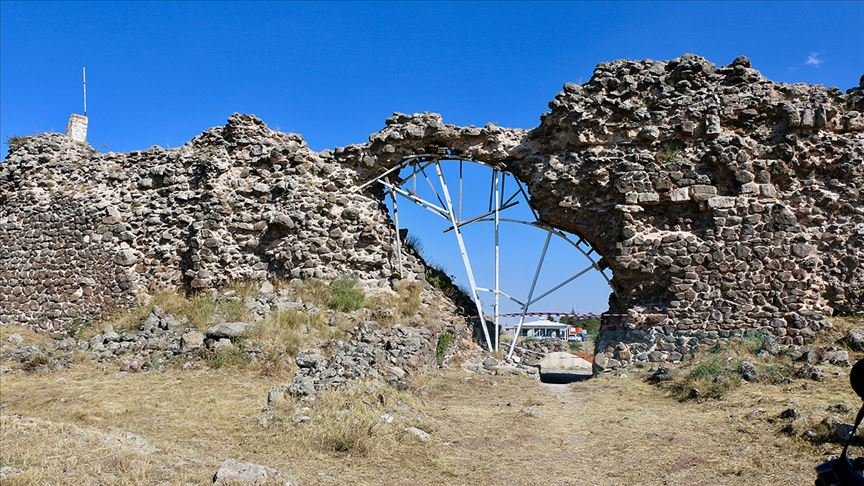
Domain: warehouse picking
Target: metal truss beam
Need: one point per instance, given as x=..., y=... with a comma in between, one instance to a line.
x=391, y=180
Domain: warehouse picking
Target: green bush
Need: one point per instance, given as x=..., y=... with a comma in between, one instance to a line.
x=753, y=341
x=445, y=340
x=346, y=296
x=713, y=366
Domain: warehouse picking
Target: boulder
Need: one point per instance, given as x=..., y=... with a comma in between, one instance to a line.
x=229, y=330
x=308, y=359
x=191, y=340
x=235, y=472
x=855, y=339
x=421, y=435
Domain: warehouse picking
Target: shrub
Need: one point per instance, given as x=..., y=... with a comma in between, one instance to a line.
x=346, y=296
x=410, y=297
x=716, y=372
x=16, y=141
x=314, y=290
x=439, y=279
x=670, y=152
x=753, y=341
x=445, y=340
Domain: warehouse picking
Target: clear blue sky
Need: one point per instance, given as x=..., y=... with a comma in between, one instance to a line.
x=160, y=73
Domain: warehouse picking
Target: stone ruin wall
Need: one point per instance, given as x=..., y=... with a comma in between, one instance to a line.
x=85, y=233
x=722, y=201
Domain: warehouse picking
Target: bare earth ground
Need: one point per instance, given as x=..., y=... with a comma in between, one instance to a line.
x=73, y=427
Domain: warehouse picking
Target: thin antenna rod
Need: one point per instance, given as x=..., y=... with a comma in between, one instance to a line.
x=84, y=77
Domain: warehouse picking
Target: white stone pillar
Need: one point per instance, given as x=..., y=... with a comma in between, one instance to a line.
x=77, y=128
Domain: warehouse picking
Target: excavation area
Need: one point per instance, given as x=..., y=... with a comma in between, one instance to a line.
x=94, y=425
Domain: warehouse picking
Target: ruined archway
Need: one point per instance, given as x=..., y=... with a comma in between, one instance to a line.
x=397, y=183
x=723, y=203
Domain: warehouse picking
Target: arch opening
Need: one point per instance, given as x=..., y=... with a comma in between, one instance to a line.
x=513, y=265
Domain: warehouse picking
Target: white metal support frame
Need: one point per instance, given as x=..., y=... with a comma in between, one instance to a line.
x=465, y=260
x=530, y=293
x=445, y=209
x=497, y=263
x=396, y=224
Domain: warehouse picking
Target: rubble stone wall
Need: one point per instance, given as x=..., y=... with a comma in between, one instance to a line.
x=722, y=201
x=83, y=233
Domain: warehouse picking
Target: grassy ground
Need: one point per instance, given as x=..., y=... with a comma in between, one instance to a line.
x=74, y=426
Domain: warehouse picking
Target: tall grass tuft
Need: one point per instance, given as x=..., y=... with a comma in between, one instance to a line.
x=346, y=295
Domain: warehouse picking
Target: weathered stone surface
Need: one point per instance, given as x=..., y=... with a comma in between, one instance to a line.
x=371, y=353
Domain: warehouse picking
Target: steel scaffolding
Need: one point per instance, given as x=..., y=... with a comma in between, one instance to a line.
x=394, y=185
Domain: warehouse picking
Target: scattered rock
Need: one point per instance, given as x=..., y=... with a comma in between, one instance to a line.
x=229, y=330
x=532, y=411
x=266, y=287
x=308, y=359
x=661, y=375
x=840, y=408
x=129, y=441
x=421, y=435
x=748, y=371
x=15, y=339
x=809, y=372
x=8, y=472
x=232, y=471
x=855, y=339
x=770, y=345
x=790, y=414
x=490, y=362
x=191, y=340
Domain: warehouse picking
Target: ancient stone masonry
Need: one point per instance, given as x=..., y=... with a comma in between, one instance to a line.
x=84, y=233
x=722, y=201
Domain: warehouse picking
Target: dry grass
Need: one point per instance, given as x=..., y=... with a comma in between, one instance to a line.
x=606, y=431
x=284, y=333
x=201, y=309
x=350, y=421
x=31, y=338
x=603, y=431
x=403, y=305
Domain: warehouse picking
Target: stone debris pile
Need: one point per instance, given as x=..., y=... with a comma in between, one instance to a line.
x=390, y=354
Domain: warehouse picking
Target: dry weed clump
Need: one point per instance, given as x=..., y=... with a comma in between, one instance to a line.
x=405, y=303
x=200, y=310
x=364, y=418
x=285, y=333
x=714, y=373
